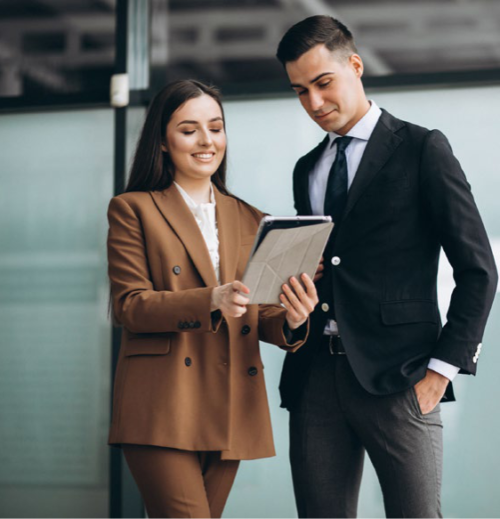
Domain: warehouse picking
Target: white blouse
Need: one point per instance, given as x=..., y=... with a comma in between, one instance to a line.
x=204, y=215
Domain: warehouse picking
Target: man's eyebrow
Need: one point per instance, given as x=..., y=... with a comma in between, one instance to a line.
x=294, y=85
x=196, y=122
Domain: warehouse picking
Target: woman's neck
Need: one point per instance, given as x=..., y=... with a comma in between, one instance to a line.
x=198, y=190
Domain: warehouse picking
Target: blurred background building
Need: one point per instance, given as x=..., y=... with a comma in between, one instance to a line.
x=64, y=152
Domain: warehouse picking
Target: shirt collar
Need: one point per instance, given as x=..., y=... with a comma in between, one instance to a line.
x=363, y=129
x=190, y=202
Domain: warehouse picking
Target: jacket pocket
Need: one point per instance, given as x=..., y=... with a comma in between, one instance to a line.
x=409, y=311
x=147, y=344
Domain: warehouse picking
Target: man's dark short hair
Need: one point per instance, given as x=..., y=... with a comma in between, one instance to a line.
x=316, y=30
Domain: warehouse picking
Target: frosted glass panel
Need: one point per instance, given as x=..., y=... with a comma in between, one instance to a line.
x=265, y=140
x=56, y=178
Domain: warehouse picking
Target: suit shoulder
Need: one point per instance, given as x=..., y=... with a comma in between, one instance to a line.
x=131, y=202
x=133, y=198
x=248, y=211
x=411, y=130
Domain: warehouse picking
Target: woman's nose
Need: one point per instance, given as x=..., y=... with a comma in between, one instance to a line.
x=205, y=138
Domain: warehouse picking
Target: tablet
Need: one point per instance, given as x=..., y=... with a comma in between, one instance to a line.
x=284, y=246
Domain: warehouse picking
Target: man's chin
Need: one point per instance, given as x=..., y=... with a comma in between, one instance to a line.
x=330, y=127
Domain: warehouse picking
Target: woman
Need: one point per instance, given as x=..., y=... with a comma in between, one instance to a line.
x=189, y=399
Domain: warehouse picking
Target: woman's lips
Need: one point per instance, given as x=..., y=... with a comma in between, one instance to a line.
x=204, y=157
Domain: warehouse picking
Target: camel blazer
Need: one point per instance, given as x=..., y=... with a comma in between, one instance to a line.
x=187, y=378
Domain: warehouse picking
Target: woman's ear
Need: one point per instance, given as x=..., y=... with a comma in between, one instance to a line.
x=164, y=148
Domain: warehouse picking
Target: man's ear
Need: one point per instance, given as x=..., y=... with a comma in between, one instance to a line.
x=357, y=64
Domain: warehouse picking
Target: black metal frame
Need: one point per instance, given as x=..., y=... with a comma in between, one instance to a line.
x=124, y=497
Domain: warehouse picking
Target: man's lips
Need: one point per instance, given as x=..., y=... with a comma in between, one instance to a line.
x=321, y=116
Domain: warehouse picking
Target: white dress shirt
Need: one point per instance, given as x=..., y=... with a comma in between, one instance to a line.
x=204, y=215
x=318, y=179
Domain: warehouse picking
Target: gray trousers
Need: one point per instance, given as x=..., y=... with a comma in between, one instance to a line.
x=337, y=420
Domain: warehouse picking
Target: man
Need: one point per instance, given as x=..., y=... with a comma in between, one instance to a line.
x=377, y=363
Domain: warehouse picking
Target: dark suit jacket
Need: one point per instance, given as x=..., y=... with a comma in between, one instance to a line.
x=409, y=199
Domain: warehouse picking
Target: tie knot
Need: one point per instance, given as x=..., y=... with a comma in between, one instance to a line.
x=342, y=143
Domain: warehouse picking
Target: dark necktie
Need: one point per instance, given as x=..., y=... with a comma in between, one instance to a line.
x=336, y=187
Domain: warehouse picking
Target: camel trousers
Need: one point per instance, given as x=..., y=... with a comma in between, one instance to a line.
x=177, y=483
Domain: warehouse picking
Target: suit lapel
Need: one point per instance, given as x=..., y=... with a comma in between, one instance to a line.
x=382, y=144
x=179, y=216
x=303, y=175
x=228, y=224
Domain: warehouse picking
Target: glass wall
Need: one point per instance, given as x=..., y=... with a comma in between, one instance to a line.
x=56, y=178
x=265, y=140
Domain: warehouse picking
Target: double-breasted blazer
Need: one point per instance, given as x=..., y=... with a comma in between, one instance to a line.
x=408, y=200
x=187, y=378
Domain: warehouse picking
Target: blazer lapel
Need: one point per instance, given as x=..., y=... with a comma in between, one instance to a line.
x=228, y=224
x=382, y=144
x=181, y=219
x=303, y=175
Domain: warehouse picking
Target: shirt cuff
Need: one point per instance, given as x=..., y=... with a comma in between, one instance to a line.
x=293, y=336
x=443, y=368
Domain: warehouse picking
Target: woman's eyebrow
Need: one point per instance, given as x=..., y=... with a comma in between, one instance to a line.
x=196, y=122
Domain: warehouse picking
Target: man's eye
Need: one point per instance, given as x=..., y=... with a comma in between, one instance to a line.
x=322, y=85
x=301, y=92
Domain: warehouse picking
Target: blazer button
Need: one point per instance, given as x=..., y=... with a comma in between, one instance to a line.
x=253, y=371
x=192, y=324
x=177, y=270
x=197, y=324
x=187, y=361
x=246, y=329
x=180, y=325
x=335, y=260
x=325, y=307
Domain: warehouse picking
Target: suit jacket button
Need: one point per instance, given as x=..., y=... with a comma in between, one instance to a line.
x=192, y=324
x=246, y=329
x=180, y=325
x=335, y=260
x=197, y=324
x=253, y=371
x=188, y=361
x=325, y=307
x=177, y=270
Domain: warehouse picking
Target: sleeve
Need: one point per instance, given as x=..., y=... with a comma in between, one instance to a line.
x=273, y=329
x=450, y=206
x=136, y=304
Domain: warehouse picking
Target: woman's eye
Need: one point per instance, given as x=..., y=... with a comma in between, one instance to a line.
x=216, y=130
x=322, y=85
x=186, y=132
x=302, y=92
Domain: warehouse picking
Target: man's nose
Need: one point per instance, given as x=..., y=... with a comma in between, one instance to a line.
x=316, y=101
